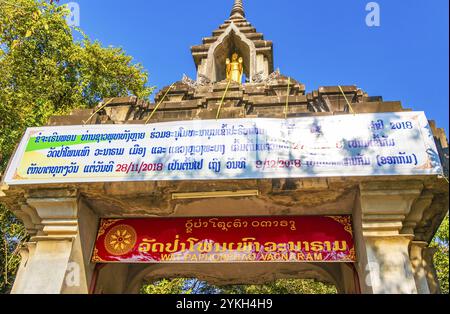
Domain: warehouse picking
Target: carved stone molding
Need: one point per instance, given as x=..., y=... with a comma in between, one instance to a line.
x=59, y=217
x=385, y=206
x=416, y=213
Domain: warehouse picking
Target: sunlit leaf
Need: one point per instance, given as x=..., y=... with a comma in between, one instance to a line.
x=15, y=43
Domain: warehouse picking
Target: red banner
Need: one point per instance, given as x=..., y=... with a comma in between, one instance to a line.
x=225, y=240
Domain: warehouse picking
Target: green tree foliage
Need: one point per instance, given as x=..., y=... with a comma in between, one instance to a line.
x=44, y=71
x=441, y=258
x=166, y=286
x=194, y=286
x=12, y=234
x=283, y=286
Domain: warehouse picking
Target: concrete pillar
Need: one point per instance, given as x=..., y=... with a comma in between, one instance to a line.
x=348, y=280
x=56, y=260
x=418, y=266
x=384, y=266
x=45, y=270
x=415, y=215
x=26, y=252
x=430, y=270
x=113, y=279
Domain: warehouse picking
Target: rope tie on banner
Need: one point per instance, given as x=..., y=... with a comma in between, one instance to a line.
x=98, y=110
x=346, y=99
x=287, y=98
x=445, y=178
x=159, y=103
x=221, y=101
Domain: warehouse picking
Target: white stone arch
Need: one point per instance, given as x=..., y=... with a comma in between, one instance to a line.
x=212, y=70
x=246, y=273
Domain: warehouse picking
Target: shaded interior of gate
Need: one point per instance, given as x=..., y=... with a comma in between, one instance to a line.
x=130, y=278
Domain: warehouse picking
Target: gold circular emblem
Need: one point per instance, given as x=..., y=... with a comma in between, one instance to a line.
x=120, y=240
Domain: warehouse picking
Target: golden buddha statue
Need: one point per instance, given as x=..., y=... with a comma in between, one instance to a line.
x=235, y=68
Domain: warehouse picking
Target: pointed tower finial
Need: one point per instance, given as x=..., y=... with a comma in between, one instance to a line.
x=238, y=9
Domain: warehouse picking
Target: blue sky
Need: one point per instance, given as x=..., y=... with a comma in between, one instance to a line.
x=317, y=42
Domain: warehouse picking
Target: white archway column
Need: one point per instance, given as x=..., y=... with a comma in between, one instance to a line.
x=57, y=258
x=384, y=265
x=418, y=265
x=430, y=270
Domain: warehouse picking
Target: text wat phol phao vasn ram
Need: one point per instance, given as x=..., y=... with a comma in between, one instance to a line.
x=342, y=145
x=222, y=240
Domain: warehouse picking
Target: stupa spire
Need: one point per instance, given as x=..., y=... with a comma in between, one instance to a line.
x=238, y=9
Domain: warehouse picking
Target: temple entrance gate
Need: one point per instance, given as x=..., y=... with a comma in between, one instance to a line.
x=273, y=151
x=68, y=225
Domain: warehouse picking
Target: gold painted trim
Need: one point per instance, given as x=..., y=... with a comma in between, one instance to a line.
x=346, y=221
